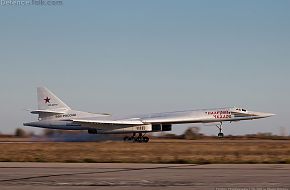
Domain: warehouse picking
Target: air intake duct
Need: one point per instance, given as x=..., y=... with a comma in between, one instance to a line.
x=161, y=127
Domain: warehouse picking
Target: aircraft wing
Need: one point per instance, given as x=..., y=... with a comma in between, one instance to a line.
x=168, y=118
x=177, y=118
x=109, y=122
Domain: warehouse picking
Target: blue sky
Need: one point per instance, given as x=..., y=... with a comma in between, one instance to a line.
x=127, y=57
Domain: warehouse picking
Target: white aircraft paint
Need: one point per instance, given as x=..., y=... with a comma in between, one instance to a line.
x=55, y=114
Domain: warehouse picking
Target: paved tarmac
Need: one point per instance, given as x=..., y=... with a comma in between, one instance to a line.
x=143, y=176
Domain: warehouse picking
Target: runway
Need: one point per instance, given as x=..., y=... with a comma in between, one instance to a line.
x=115, y=176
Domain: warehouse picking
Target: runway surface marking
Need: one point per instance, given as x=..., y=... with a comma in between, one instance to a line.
x=142, y=176
x=95, y=172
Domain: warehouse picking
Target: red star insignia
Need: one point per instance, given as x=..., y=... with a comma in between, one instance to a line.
x=47, y=100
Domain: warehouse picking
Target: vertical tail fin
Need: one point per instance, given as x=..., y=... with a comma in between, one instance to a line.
x=48, y=101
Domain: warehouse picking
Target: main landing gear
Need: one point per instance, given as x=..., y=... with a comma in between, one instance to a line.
x=140, y=139
x=219, y=126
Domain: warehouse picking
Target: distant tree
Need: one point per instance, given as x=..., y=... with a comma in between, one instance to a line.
x=31, y=134
x=53, y=132
x=20, y=132
x=49, y=132
x=170, y=136
x=191, y=133
x=267, y=134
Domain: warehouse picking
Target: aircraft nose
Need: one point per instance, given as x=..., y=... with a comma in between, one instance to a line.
x=266, y=114
x=271, y=114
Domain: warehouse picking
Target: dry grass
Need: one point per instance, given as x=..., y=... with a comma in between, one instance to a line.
x=157, y=151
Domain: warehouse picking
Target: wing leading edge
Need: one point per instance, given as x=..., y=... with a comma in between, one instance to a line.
x=107, y=122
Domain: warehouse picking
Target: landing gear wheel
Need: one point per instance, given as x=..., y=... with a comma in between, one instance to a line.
x=138, y=139
x=220, y=127
x=145, y=139
x=125, y=138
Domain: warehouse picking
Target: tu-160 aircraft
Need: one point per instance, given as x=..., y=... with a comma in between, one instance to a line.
x=55, y=114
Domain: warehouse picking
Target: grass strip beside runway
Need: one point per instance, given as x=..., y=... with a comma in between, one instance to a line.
x=157, y=151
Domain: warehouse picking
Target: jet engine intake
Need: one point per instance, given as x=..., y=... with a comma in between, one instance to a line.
x=92, y=131
x=161, y=127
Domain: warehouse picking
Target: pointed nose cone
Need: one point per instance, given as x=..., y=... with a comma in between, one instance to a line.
x=271, y=114
x=266, y=114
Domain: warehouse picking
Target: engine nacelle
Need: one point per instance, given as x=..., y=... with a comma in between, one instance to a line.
x=92, y=131
x=133, y=129
x=161, y=127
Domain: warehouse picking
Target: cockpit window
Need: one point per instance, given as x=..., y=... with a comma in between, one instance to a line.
x=238, y=109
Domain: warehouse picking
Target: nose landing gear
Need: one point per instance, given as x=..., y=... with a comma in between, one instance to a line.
x=140, y=139
x=219, y=126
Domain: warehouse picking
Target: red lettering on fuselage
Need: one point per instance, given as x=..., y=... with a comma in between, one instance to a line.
x=217, y=112
x=220, y=114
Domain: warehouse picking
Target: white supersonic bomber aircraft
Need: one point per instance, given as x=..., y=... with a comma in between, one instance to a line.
x=55, y=114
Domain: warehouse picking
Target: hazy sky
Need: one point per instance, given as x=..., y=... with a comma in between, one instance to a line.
x=127, y=57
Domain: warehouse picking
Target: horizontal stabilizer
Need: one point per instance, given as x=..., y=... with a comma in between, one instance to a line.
x=47, y=111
